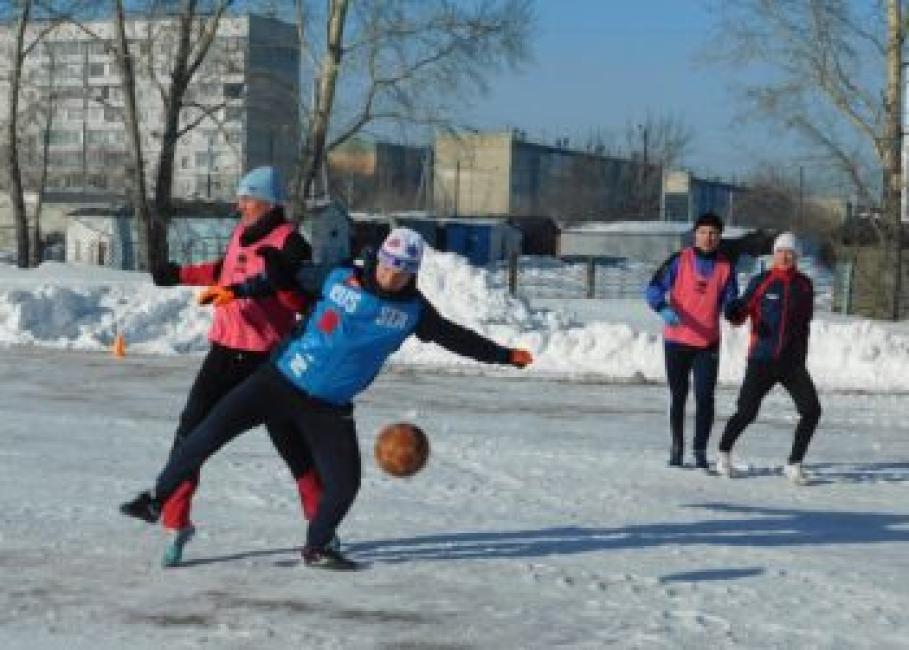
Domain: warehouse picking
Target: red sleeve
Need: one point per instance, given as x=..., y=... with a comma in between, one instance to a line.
x=200, y=275
x=292, y=300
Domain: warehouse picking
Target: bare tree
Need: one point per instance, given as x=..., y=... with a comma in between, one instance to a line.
x=17, y=200
x=404, y=62
x=655, y=143
x=21, y=15
x=819, y=50
x=196, y=28
x=48, y=108
x=148, y=227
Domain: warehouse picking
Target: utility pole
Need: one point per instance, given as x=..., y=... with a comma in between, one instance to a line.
x=801, y=213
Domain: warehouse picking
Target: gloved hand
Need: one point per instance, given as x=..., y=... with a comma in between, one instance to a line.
x=218, y=296
x=277, y=269
x=166, y=274
x=669, y=316
x=520, y=358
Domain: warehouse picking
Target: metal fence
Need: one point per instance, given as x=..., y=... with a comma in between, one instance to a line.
x=550, y=277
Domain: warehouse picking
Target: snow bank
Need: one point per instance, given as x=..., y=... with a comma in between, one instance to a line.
x=81, y=307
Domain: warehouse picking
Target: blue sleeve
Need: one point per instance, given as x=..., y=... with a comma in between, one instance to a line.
x=730, y=291
x=661, y=283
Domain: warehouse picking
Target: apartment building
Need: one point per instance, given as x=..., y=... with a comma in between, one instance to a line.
x=244, y=98
x=504, y=175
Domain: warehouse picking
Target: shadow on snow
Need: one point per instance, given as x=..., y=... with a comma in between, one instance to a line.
x=747, y=526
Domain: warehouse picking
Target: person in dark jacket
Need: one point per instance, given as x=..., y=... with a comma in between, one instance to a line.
x=780, y=304
x=362, y=316
x=242, y=335
x=689, y=292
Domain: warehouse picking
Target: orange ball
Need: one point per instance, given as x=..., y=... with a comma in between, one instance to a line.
x=402, y=449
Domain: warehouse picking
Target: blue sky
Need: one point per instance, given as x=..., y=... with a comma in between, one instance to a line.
x=603, y=63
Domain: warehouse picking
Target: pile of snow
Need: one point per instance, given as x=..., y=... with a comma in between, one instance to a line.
x=81, y=307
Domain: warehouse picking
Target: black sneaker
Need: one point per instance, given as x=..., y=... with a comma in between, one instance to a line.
x=144, y=506
x=700, y=460
x=675, y=456
x=328, y=558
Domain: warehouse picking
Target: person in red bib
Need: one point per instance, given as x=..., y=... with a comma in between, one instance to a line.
x=780, y=304
x=689, y=292
x=242, y=335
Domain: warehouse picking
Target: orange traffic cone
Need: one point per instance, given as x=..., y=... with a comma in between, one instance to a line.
x=118, y=349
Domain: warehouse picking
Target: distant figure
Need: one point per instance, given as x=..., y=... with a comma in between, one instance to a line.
x=780, y=303
x=689, y=292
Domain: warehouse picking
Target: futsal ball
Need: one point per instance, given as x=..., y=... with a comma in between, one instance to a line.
x=402, y=449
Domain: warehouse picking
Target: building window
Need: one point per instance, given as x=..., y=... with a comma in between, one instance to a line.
x=64, y=138
x=112, y=114
x=233, y=113
x=233, y=91
x=95, y=69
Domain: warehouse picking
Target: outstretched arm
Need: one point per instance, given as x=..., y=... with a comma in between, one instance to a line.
x=737, y=310
x=434, y=327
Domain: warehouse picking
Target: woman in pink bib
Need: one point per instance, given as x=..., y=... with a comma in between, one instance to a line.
x=242, y=335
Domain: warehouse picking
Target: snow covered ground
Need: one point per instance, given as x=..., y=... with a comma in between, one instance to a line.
x=545, y=518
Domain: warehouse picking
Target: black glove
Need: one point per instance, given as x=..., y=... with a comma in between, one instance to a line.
x=280, y=273
x=166, y=274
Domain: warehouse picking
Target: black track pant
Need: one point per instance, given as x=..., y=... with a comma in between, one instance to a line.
x=760, y=377
x=267, y=398
x=681, y=362
x=222, y=370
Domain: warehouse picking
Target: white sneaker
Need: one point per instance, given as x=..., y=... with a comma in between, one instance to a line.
x=793, y=471
x=724, y=464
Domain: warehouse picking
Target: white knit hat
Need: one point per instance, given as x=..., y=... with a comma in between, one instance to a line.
x=786, y=241
x=402, y=250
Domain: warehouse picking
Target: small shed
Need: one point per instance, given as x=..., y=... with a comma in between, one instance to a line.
x=107, y=236
x=539, y=235
x=639, y=241
x=481, y=241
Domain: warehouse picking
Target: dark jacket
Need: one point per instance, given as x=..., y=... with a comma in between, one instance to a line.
x=781, y=306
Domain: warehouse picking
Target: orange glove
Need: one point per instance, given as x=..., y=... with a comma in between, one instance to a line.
x=520, y=358
x=218, y=296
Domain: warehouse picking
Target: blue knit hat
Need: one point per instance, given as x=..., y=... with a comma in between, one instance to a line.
x=262, y=183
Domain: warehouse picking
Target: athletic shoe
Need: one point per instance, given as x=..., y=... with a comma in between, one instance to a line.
x=173, y=553
x=793, y=471
x=724, y=464
x=326, y=558
x=144, y=506
x=675, y=456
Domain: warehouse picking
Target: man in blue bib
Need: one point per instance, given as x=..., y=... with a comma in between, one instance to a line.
x=362, y=316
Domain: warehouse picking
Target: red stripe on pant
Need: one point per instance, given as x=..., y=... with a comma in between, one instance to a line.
x=310, y=488
x=175, y=514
